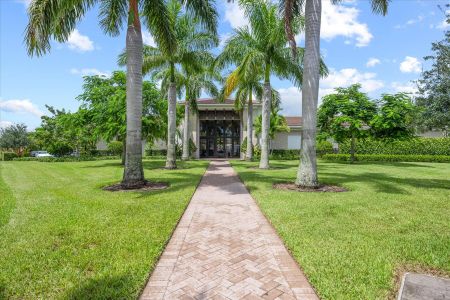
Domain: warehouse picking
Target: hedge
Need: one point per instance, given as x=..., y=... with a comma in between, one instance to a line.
x=66, y=158
x=415, y=146
x=389, y=158
x=7, y=155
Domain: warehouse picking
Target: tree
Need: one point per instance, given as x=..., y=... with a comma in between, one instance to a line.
x=191, y=41
x=434, y=87
x=346, y=114
x=261, y=48
x=395, y=118
x=14, y=137
x=291, y=9
x=278, y=123
x=104, y=99
x=57, y=19
x=194, y=82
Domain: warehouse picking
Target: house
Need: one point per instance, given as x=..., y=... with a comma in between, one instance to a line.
x=218, y=130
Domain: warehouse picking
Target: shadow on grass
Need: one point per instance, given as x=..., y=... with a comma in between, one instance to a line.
x=116, y=287
x=381, y=182
x=379, y=163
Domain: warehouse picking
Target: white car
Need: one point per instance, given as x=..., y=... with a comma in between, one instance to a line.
x=44, y=154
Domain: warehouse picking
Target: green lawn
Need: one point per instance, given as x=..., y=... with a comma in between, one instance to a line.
x=350, y=245
x=63, y=237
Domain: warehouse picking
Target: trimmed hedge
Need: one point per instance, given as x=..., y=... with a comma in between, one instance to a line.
x=66, y=158
x=8, y=156
x=389, y=158
x=285, y=154
x=415, y=146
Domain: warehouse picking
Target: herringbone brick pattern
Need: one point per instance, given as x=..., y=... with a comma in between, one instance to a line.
x=224, y=248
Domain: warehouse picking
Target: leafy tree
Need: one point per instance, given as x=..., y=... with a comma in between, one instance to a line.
x=277, y=123
x=434, y=86
x=104, y=101
x=14, y=137
x=346, y=114
x=58, y=18
x=261, y=49
x=291, y=9
x=54, y=135
x=395, y=118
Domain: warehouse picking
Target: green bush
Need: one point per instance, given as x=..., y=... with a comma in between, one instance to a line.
x=415, y=146
x=152, y=152
x=66, y=158
x=285, y=154
x=115, y=148
x=8, y=156
x=388, y=158
x=324, y=147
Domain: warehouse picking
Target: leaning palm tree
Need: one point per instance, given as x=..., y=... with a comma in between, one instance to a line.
x=58, y=18
x=262, y=47
x=192, y=42
x=291, y=9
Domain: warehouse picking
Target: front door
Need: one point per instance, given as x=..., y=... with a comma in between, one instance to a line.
x=219, y=138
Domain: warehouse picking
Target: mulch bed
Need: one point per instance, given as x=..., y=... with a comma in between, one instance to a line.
x=322, y=188
x=147, y=186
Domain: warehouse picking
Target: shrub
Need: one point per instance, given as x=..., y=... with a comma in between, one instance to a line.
x=8, y=156
x=389, y=158
x=324, y=147
x=66, y=158
x=415, y=146
x=285, y=154
x=115, y=148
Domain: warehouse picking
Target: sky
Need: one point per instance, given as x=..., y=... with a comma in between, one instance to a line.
x=383, y=53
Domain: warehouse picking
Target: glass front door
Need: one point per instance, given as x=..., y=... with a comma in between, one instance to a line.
x=219, y=138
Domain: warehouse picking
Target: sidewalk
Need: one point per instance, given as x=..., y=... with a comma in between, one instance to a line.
x=224, y=248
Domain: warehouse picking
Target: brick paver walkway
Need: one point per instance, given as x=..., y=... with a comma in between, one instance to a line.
x=224, y=248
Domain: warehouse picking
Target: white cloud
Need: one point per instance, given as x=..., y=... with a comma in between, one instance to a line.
x=340, y=20
x=410, y=22
x=235, y=15
x=4, y=124
x=24, y=2
x=410, y=65
x=20, y=106
x=408, y=87
x=348, y=76
x=291, y=103
x=223, y=38
x=88, y=72
x=148, y=38
x=79, y=42
x=372, y=62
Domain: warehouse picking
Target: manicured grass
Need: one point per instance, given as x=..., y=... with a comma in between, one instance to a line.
x=350, y=245
x=61, y=236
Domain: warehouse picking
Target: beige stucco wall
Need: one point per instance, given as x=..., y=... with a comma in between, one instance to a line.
x=287, y=140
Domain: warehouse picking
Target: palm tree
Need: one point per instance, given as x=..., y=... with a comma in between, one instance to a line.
x=278, y=123
x=190, y=53
x=291, y=9
x=57, y=19
x=262, y=48
x=193, y=83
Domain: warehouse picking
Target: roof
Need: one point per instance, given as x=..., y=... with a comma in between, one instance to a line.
x=214, y=101
x=294, y=121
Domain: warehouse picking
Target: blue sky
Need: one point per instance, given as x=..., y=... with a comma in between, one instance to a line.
x=383, y=53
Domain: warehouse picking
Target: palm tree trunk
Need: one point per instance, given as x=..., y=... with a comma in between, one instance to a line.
x=267, y=101
x=185, y=155
x=133, y=174
x=124, y=150
x=250, y=128
x=171, y=128
x=307, y=171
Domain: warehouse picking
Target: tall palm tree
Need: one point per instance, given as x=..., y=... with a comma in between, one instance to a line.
x=193, y=83
x=58, y=18
x=307, y=170
x=262, y=48
x=192, y=42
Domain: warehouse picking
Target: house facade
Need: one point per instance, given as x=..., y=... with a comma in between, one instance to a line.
x=218, y=130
